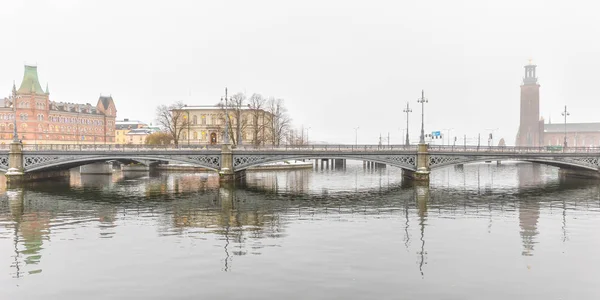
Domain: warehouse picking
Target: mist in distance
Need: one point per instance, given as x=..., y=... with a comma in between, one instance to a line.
x=337, y=64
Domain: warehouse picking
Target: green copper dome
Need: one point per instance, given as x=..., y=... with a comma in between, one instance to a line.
x=31, y=83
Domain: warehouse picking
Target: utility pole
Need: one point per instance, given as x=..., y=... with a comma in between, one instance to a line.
x=226, y=134
x=422, y=100
x=565, y=113
x=407, y=110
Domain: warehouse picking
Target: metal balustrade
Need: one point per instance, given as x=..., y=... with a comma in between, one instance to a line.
x=308, y=148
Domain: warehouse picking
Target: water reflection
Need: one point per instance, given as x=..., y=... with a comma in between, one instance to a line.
x=236, y=224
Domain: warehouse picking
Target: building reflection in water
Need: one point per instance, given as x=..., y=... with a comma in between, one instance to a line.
x=529, y=208
x=30, y=230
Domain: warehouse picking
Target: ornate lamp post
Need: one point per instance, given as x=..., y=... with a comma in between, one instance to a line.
x=14, y=103
x=226, y=134
x=422, y=100
x=565, y=114
x=407, y=110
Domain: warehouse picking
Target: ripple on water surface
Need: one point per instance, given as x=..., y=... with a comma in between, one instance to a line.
x=482, y=230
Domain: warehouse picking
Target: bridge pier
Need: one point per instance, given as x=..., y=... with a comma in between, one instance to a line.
x=421, y=175
x=15, y=174
x=226, y=173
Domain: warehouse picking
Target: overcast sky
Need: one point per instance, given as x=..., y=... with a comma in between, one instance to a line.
x=337, y=64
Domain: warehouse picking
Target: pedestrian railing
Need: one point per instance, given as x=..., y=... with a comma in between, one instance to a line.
x=307, y=148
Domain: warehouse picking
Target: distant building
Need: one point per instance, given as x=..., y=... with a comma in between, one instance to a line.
x=207, y=124
x=533, y=132
x=42, y=121
x=123, y=127
x=138, y=136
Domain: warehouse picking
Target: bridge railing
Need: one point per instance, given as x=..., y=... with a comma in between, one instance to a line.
x=320, y=147
x=505, y=149
x=115, y=147
x=194, y=147
x=328, y=147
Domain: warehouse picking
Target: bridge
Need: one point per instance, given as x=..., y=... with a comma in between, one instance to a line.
x=18, y=160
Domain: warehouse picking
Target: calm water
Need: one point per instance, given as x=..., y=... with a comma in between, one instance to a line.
x=514, y=231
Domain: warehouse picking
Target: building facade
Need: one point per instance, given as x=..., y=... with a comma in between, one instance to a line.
x=122, y=127
x=205, y=125
x=534, y=132
x=42, y=121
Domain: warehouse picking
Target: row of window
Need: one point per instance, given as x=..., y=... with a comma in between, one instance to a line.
x=214, y=120
x=203, y=136
x=25, y=104
x=52, y=128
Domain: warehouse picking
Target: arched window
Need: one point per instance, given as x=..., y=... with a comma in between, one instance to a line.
x=195, y=134
x=194, y=120
x=203, y=120
x=203, y=134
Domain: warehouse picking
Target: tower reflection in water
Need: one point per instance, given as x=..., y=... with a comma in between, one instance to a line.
x=245, y=218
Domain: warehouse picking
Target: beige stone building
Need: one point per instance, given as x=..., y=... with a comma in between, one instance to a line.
x=205, y=125
x=123, y=127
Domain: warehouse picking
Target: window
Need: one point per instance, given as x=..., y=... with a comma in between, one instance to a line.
x=203, y=119
x=194, y=120
x=204, y=135
x=195, y=135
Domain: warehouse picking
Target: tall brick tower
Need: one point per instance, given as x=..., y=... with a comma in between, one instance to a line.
x=530, y=133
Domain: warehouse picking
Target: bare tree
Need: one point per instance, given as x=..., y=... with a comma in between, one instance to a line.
x=236, y=117
x=257, y=104
x=280, y=121
x=173, y=119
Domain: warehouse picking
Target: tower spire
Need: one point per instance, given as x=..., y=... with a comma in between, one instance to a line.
x=530, y=77
x=47, y=90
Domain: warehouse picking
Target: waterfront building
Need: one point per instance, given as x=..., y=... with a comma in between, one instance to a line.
x=40, y=120
x=534, y=132
x=122, y=127
x=205, y=125
x=138, y=136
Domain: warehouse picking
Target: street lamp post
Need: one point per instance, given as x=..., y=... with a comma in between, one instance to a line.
x=448, y=134
x=491, y=136
x=407, y=110
x=356, y=136
x=226, y=134
x=565, y=114
x=307, y=140
x=422, y=100
x=14, y=103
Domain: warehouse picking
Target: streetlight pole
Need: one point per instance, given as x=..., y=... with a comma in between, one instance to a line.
x=491, y=140
x=422, y=100
x=226, y=134
x=407, y=110
x=565, y=114
x=14, y=103
x=356, y=136
x=448, y=134
x=307, y=140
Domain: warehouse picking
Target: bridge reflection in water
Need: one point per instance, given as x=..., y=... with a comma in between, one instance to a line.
x=246, y=220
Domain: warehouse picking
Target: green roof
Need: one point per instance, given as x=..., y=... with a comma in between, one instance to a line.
x=31, y=83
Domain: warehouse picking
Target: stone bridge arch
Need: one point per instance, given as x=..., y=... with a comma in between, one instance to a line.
x=243, y=161
x=437, y=161
x=41, y=162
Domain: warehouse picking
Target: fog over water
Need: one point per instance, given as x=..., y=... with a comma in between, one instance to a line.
x=481, y=230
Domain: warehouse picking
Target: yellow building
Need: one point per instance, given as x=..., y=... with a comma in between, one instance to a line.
x=205, y=125
x=138, y=136
x=123, y=127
